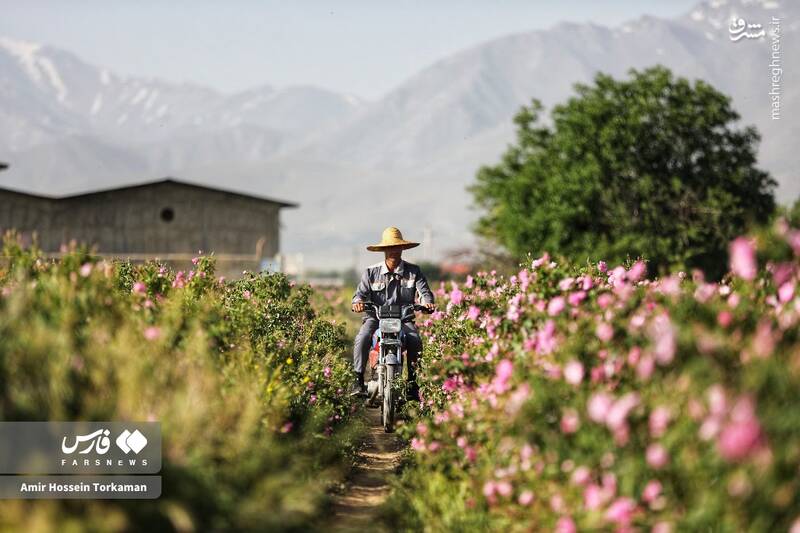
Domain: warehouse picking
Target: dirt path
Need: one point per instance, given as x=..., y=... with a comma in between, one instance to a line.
x=368, y=484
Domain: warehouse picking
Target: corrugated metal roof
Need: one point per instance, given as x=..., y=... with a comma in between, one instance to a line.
x=247, y=194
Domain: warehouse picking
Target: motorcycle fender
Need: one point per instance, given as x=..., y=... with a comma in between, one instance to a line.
x=392, y=358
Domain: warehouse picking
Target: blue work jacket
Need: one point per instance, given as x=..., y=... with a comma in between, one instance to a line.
x=400, y=287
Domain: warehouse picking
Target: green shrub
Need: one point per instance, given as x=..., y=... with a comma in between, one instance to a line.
x=244, y=377
x=588, y=398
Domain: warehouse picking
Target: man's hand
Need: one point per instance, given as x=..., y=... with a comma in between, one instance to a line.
x=358, y=307
x=430, y=306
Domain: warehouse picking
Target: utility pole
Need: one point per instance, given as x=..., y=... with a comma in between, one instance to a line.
x=353, y=275
x=427, y=243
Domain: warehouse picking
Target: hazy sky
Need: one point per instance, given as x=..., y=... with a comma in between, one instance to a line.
x=364, y=47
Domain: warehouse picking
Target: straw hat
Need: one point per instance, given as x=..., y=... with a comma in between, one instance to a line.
x=392, y=238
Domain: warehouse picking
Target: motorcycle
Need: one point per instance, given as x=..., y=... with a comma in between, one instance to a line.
x=384, y=388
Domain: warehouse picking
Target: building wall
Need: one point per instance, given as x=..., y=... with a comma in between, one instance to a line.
x=24, y=213
x=132, y=220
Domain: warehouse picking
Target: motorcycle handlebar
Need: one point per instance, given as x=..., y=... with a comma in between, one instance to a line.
x=417, y=307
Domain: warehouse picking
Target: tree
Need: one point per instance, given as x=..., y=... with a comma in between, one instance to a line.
x=793, y=213
x=651, y=167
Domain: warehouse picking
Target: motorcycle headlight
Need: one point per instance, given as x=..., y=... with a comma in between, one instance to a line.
x=390, y=325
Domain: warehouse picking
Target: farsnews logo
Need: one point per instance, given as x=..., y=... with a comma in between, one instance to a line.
x=99, y=442
x=83, y=447
x=131, y=442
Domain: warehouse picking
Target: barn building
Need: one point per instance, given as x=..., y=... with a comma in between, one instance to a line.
x=169, y=220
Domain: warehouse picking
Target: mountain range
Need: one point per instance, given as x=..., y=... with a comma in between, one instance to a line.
x=357, y=166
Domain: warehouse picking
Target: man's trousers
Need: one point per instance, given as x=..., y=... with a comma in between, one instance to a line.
x=363, y=342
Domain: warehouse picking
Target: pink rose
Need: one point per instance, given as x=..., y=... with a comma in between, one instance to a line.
x=573, y=372
x=504, y=370
x=503, y=373
x=540, y=261
x=576, y=298
x=633, y=355
x=152, y=333
x=638, y=320
x=598, y=406
x=618, y=272
x=621, y=511
x=651, y=491
x=763, y=340
x=470, y=453
x=743, y=258
x=645, y=368
x=793, y=238
x=555, y=306
x=637, y=271
x=489, y=488
x=604, y=331
x=618, y=413
x=513, y=313
x=786, y=292
x=565, y=524
x=717, y=402
x=581, y=475
x=545, y=338
x=659, y=420
x=593, y=496
x=565, y=284
x=557, y=503
x=781, y=273
x=662, y=527
x=739, y=439
x=609, y=481
x=450, y=384
x=662, y=333
x=657, y=456
x=570, y=421
x=525, y=498
x=456, y=296
x=504, y=488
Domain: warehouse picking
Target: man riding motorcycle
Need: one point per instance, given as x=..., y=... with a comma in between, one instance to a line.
x=393, y=281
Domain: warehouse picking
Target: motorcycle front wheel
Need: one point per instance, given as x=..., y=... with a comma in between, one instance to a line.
x=388, y=399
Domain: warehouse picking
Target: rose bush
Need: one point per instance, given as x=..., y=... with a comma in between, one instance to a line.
x=572, y=398
x=246, y=380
